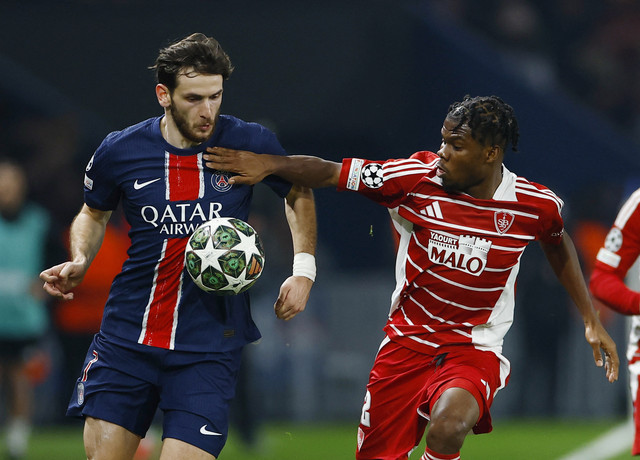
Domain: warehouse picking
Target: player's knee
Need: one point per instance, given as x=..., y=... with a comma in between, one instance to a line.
x=447, y=433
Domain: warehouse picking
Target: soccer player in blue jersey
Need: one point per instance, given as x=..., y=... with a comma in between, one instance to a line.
x=164, y=343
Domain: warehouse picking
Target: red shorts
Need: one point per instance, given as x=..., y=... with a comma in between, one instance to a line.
x=403, y=387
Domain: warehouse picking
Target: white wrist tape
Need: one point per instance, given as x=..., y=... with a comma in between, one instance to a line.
x=304, y=264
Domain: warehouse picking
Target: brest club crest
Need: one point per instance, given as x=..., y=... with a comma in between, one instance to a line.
x=503, y=221
x=220, y=181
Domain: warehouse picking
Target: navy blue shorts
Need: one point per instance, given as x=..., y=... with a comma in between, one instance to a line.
x=125, y=386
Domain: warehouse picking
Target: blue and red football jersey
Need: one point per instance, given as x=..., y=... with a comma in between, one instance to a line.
x=166, y=192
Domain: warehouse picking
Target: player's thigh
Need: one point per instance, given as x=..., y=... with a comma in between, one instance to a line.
x=390, y=423
x=174, y=449
x=107, y=441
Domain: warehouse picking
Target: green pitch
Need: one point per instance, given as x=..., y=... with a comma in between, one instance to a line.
x=511, y=439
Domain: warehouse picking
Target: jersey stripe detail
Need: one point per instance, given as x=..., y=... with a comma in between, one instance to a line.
x=470, y=205
x=184, y=180
x=464, y=286
x=535, y=192
x=434, y=317
x=463, y=227
x=145, y=318
x=161, y=316
x=184, y=177
x=451, y=302
x=627, y=209
x=406, y=169
x=85, y=372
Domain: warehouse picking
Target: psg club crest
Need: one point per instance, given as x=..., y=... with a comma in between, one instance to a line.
x=220, y=181
x=503, y=221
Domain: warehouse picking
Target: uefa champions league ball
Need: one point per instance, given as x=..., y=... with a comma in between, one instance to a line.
x=224, y=256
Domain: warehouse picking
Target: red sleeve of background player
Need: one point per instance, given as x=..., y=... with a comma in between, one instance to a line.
x=620, y=251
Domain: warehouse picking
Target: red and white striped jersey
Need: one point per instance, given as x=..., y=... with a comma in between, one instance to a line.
x=620, y=251
x=458, y=256
x=613, y=266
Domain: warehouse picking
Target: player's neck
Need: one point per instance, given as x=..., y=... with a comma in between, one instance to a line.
x=172, y=135
x=487, y=188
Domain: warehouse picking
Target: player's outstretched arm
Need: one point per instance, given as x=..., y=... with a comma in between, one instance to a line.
x=85, y=238
x=251, y=168
x=300, y=211
x=564, y=261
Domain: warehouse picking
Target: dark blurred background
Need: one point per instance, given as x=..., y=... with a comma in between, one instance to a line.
x=351, y=78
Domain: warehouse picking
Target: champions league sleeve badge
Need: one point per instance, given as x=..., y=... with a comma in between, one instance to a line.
x=372, y=175
x=220, y=181
x=613, y=241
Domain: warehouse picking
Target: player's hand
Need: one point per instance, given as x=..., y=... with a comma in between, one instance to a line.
x=250, y=168
x=294, y=294
x=61, y=279
x=600, y=342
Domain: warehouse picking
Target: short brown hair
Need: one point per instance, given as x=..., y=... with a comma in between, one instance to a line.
x=195, y=53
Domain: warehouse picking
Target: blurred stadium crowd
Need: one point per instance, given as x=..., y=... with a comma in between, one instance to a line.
x=316, y=368
x=591, y=49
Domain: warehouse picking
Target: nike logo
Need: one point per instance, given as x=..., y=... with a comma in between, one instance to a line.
x=138, y=185
x=204, y=430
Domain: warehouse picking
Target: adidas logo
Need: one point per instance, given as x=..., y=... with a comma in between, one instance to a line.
x=433, y=210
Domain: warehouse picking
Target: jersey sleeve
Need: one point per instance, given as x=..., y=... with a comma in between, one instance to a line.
x=269, y=144
x=101, y=190
x=551, y=222
x=619, y=252
x=386, y=182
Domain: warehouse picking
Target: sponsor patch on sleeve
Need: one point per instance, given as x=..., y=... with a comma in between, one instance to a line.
x=88, y=182
x=607, y=257
x=353, y=181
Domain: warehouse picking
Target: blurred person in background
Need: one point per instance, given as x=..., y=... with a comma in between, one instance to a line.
x=163, y=342
x=464, y=220
x=24, y=233
x=618, y=254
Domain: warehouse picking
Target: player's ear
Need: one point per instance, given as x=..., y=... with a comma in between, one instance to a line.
x=493, y=153
x=164, y=95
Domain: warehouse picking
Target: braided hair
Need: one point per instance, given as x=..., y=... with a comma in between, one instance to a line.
x=491, y=120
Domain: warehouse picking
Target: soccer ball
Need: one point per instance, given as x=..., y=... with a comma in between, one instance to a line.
x=224, y=256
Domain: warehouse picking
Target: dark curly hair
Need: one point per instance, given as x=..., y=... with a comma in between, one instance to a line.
x=195, y=53
x=492, y=121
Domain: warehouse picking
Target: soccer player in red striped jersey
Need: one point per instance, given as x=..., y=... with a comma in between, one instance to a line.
x=620, y=251
x=163, y=341
x=463, y=221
